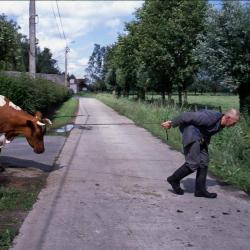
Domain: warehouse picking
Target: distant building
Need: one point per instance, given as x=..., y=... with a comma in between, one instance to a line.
x=78, y=85
x=82, y=84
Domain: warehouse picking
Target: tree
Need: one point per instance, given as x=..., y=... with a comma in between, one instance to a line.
x=45, y=62
x=10, y=45
x=224, y=50
x=168, y=33
x=95, y=64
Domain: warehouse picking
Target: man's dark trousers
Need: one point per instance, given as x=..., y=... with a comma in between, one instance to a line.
x=196, y=155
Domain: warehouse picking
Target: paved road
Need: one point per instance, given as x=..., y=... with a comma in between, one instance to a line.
x=18, y=154
x=110, y=193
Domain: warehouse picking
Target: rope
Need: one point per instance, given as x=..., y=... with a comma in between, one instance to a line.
x=109, y=124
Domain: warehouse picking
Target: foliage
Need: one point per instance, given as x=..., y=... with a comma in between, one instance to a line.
x=10, y=45
x=45, y=63
x=95, y=64
x=33, y=94
x=14, y=50
x=224, y=50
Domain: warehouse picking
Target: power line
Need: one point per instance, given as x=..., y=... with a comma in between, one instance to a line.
x=56, y=21
x=61, y=21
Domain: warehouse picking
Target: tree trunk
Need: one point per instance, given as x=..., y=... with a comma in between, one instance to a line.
x=169, y=97
x=118, y=92
x=141, y=94
x=244, y=94
x=163, y=97
x=180, y=95
x=185, y=97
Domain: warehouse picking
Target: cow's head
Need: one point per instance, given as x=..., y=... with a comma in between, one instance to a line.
x=36, y=128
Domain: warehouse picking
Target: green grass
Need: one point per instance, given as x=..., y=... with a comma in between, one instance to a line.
x=12, y=199
x=6, y=238
x=64, y=114
x=226, y=102
x=229, y=149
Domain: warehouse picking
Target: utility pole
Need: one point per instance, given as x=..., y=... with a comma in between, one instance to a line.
x=66, y=66
x=32, y=39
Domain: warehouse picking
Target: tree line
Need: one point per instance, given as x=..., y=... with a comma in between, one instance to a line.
x=178, y=45
x=14, y=50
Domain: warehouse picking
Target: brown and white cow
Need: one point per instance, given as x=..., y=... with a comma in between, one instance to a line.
x=14, y=121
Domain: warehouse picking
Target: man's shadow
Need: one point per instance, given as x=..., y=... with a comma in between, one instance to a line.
x=189, y=184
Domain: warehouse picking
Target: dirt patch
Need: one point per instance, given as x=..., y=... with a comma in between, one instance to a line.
x=19, y=188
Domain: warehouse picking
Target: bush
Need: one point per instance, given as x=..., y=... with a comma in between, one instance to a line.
x=33, y=94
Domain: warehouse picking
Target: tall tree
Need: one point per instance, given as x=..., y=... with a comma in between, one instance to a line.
x=45, y=62
x=168, y=33
x=224, y=51
x=95, y=64
x=10, y=45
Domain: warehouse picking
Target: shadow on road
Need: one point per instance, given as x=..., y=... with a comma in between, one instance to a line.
x=12, y=162
x=189, y=184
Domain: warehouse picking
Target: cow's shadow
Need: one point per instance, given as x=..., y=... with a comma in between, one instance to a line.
x=12, y=162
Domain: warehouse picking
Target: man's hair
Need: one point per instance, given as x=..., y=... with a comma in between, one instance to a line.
x=233, y=112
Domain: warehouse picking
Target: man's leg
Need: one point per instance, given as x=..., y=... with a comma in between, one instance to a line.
x=192, y=156
x=201, y=176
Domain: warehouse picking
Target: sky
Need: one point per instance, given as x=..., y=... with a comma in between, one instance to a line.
x=84, y=23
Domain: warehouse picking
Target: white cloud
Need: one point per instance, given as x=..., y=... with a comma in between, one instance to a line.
x=79, y=18
x=113, y=23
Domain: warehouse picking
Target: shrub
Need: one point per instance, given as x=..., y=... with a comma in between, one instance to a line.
x=33, y=94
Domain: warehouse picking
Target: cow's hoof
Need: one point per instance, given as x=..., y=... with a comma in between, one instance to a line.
x=2, y=169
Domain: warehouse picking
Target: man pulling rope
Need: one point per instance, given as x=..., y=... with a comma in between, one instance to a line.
x=197, y=129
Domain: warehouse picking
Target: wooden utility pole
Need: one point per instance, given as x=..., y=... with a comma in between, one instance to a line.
x=66, y=66
x=32, y=39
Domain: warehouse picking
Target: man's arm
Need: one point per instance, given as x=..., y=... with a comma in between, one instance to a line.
x=189, y=118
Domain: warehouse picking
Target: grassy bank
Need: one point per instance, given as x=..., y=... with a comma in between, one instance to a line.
x=64, y=114
x=17, y=196
x=229, y=150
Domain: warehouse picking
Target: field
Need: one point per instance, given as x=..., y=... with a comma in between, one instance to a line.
x=229, y=150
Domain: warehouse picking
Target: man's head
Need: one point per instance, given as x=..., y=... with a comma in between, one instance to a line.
x=230, y=118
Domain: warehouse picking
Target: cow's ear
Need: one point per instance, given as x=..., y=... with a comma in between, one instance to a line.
x=30, y=124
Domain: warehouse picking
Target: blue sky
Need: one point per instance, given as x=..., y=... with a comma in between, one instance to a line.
x=85, y=23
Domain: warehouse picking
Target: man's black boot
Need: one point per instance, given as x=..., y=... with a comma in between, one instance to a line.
x=200, y=184
x=2, y=169
x=174, y=179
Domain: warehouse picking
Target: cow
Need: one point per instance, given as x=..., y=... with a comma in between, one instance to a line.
x=14, y=121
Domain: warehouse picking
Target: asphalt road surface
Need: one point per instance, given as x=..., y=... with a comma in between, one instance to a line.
x=109, y=192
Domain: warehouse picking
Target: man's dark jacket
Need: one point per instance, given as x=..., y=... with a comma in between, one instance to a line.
x=198, y=126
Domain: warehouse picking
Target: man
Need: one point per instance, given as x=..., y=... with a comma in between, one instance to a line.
x=197, y=129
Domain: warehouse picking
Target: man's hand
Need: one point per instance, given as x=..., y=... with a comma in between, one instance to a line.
x=167, y=124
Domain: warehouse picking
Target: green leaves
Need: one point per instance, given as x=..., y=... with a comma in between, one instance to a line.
x=33, y=94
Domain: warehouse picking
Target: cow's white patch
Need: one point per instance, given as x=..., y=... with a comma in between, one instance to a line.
x=11, y=104
x=2, y=101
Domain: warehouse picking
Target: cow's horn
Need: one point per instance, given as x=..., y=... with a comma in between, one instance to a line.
x=40, y=123
x=47, y=121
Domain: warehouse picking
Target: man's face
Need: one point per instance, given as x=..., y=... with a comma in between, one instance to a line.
x=231, y=120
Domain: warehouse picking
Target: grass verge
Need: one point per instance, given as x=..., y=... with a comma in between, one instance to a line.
x=65, y=112
x=17, y=196
x=229, y=149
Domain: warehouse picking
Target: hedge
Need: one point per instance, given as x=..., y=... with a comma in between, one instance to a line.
x=33, y=94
